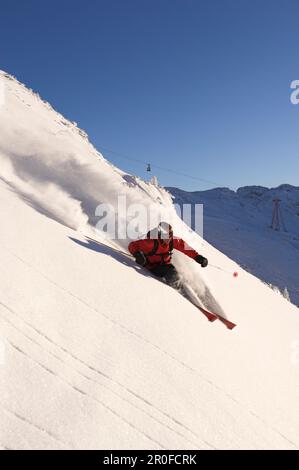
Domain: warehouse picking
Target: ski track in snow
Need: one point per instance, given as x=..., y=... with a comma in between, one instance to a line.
x=102, y=374
x=97, y=371
x=151, y=344
x=30, y=423
x=110, y=390
x=78, y=390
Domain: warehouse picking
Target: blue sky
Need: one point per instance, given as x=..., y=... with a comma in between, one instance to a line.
x=201, y=87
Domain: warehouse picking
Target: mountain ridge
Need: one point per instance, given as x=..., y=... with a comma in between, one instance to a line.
x=238, y=223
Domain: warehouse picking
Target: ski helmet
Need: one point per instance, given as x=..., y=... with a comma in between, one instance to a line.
x=162, y=231
x=165, y=230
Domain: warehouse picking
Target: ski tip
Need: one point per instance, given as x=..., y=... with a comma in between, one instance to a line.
x=229, y=324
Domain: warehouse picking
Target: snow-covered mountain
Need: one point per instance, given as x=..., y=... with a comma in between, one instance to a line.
x=94, y=352
x=239, y=224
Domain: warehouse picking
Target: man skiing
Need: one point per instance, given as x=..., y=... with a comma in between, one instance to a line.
x=155, y=252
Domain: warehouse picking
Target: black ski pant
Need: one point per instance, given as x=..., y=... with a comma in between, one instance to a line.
x=169, y=273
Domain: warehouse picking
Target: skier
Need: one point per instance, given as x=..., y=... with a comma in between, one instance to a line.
x=155, y=252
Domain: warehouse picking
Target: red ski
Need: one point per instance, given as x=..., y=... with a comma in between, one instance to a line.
x=211, y=316
x=229, y=324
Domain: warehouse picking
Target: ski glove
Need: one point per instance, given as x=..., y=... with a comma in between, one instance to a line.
x=140, y=258
x=201, y=260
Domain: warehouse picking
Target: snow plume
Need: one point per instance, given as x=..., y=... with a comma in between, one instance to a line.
x=42, y=194
x=50, y=163
x=189, y=273
x=69, y=188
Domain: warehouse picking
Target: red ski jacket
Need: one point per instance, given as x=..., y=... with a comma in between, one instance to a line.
x=158, y=253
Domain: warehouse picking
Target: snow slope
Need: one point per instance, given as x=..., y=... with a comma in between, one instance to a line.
x=98, y=354
x=238, y=224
